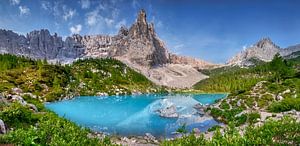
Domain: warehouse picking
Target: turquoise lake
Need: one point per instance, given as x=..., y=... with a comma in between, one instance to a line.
x=136, y=114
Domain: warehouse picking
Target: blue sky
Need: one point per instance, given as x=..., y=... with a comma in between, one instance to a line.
x=213, y=30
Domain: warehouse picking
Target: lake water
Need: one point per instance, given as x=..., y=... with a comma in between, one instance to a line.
x=136, y=114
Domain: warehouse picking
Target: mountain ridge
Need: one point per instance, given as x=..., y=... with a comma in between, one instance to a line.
x=264, y=50
x=138, y=47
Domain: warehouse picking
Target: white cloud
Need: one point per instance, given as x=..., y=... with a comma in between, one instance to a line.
x=68, y=14
x=104, y=18
x=24, y=10
x=76, y=29
x=245, y=47
x=109, y=22
x=85, y=4
x=92, y=17
x=45, y=5
x=14, y=2
x=95, y=17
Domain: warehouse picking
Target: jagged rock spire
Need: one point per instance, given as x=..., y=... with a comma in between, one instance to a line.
x=140, y=28
x=142, y=17
x=265, y=42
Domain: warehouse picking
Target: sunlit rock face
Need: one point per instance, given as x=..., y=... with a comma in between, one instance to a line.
x=144, y=47
x=263, y=50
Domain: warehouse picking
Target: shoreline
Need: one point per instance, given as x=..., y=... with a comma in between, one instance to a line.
x=145, y=136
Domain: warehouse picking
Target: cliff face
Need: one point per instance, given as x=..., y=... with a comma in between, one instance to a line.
x=39, y=45
x=144, y=47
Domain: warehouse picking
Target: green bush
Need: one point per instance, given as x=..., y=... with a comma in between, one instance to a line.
x=240, y=120
x=285, y=105
x=252, y=117
x=17, y=115
x=214, y=128
x=51, y=130
x=224, y=105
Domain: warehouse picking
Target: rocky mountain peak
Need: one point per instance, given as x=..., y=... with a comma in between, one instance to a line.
x=123, y=31
x=263, y=50
x=265, y=42
x=141, y=28
x=141, y=19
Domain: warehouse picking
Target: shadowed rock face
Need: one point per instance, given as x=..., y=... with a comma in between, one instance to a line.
x=39, y=45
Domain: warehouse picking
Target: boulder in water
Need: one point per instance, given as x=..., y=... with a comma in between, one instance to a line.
x=168, y=112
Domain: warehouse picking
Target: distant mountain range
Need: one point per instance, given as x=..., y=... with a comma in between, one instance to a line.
x=264, y=50
x=139, y=47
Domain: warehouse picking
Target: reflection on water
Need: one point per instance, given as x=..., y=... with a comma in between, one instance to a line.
x=136, y=114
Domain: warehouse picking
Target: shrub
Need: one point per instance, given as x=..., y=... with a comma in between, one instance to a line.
x=213, y=128
x=285, y=105
x=252, y=117
x=17, y=115
x=240, y=120
x=51, y=130
x=282, y=132
x=224, y=105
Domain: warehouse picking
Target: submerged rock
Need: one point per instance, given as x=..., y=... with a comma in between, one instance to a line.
x=169, y=112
